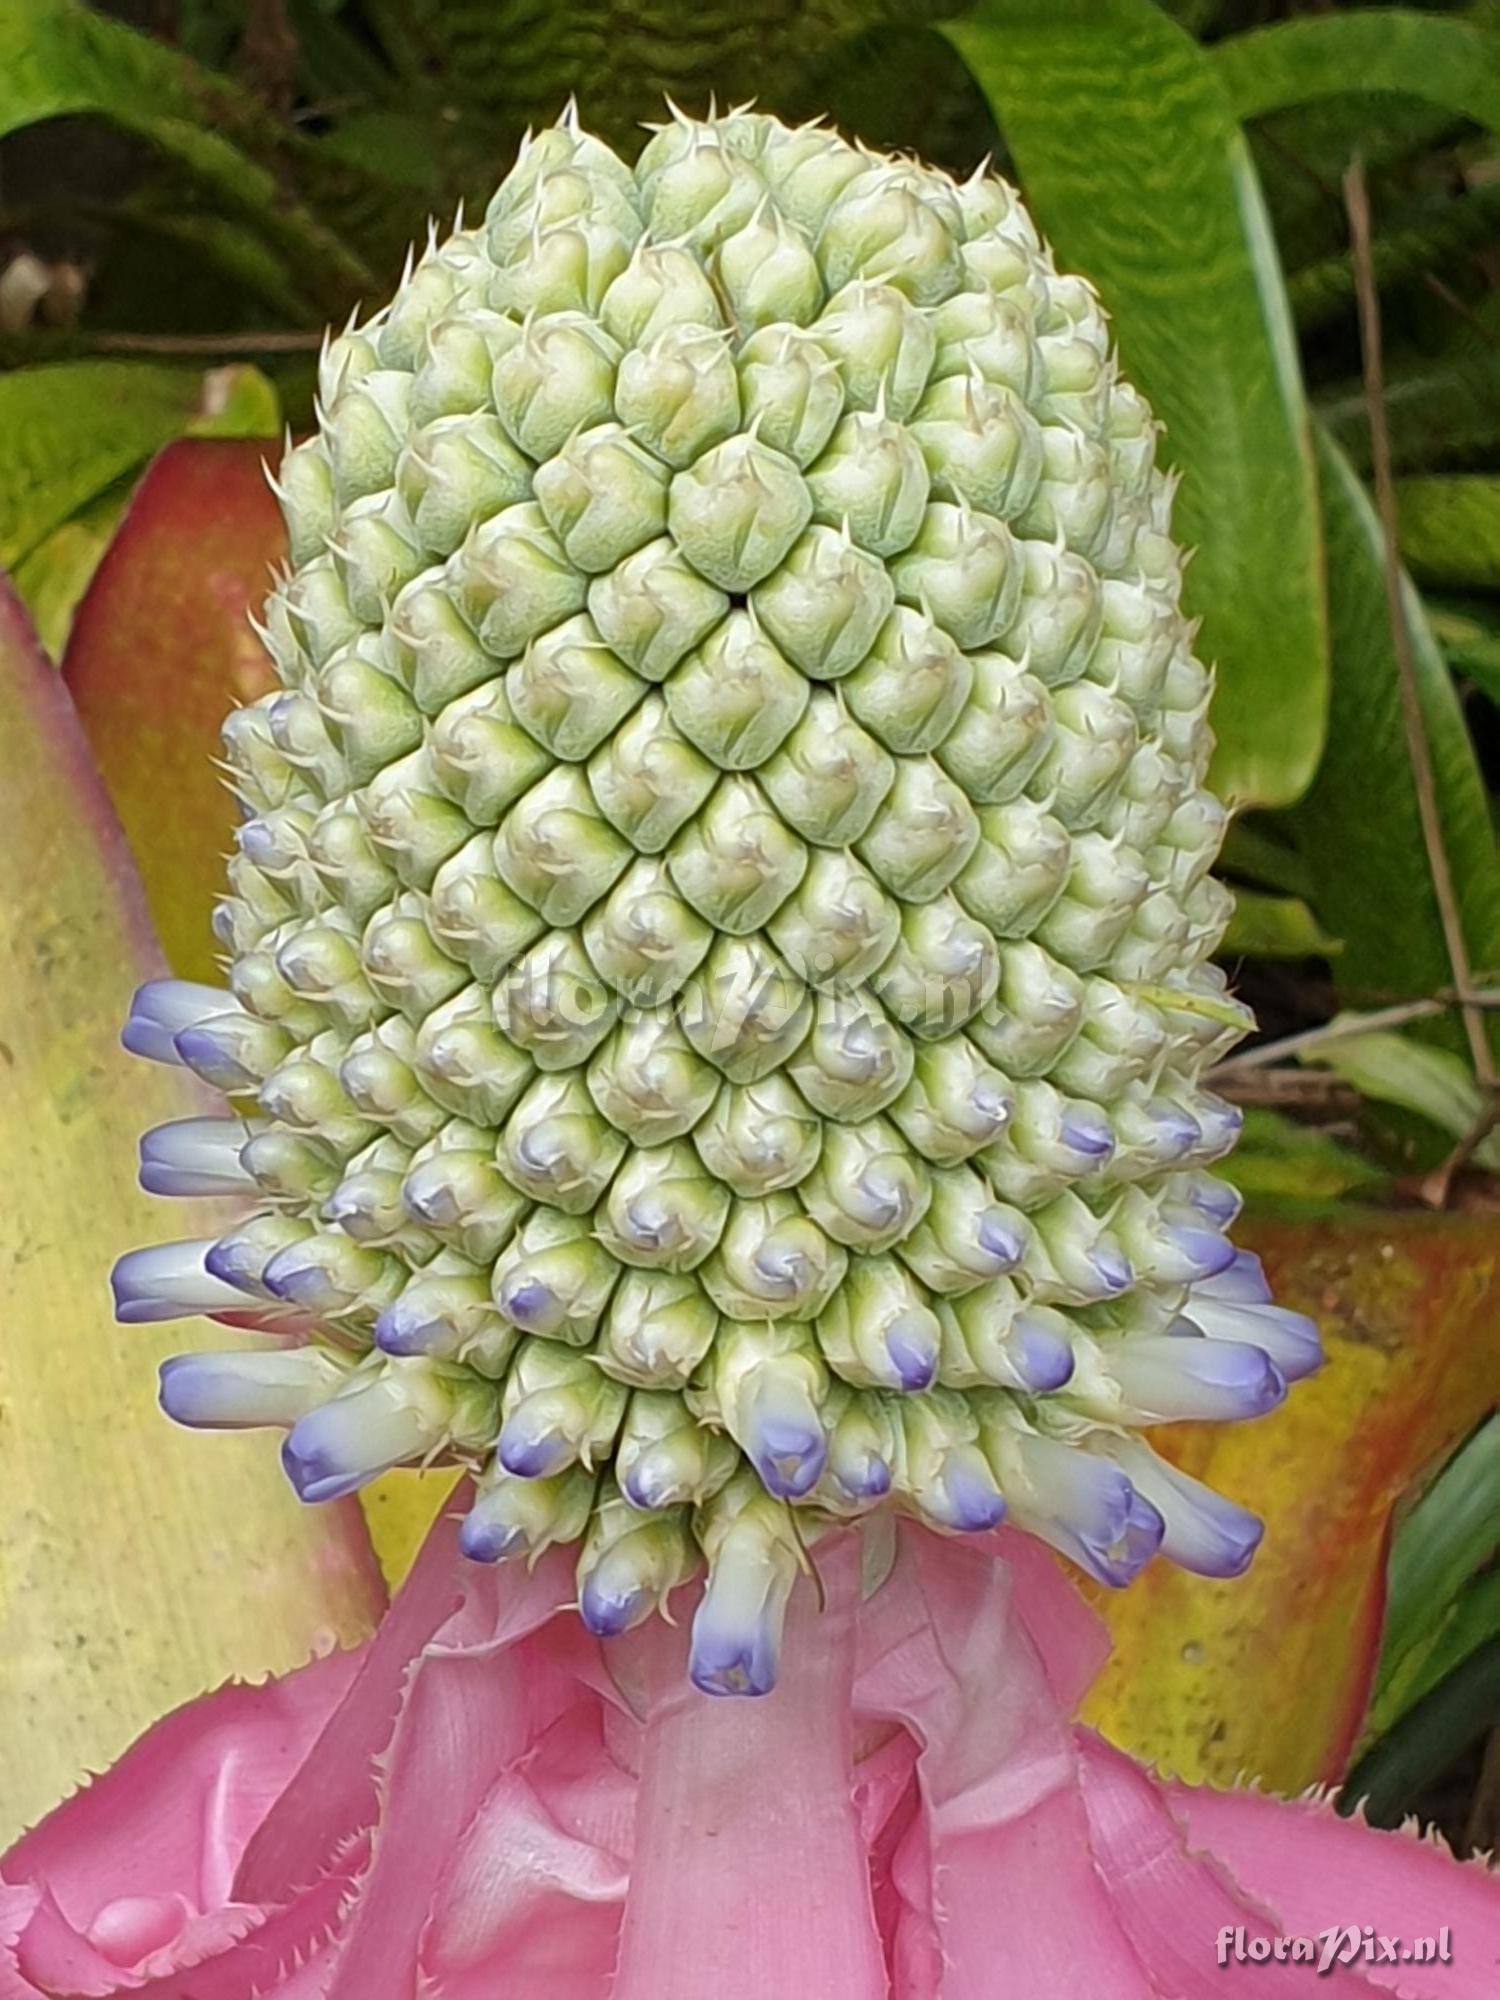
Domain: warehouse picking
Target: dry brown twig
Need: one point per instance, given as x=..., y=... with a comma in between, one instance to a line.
x=1265, y=1055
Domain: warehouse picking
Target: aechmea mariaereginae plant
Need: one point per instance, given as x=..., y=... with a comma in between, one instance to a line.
x=719, y=938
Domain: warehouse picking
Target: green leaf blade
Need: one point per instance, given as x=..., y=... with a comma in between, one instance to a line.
x=1452, y=63
x=1453, y=1529
x=1161, y=210
x=1450, y=529
x=1359, y=827
x=70, y=431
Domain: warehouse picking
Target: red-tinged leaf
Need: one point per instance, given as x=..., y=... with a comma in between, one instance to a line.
x=160, y=648
x=139, y=1565
x=1409, y=1307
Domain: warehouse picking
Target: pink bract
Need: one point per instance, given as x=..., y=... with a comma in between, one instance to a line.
x=484, y=1801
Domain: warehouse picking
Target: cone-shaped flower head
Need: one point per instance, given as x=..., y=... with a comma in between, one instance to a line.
x=719, y=934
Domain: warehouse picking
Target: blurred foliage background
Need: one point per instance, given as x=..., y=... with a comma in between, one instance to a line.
x=1293, y=213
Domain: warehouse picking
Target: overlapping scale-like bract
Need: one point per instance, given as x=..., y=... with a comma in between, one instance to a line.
x=720, y=932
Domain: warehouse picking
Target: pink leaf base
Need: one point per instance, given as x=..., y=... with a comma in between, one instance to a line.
x=485, y=1804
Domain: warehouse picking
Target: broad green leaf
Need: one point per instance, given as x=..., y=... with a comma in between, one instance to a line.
x=1359, y=827
x=1450, y=529
x=70, y=431
x=1393, y=1069
x=1130, y=154
x=1453, y=1530
x=1449, y=62
x=1469, y=1622
x=59, y=58
x=1409, y=1308
x=1279, y=1159
x=1274, y=927
x=140, y=1566
x=1427, y=1739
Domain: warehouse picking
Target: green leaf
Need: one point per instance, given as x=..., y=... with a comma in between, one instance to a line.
x=1359, y=827
x=1433, y=234
x=1276, y=1157
x=1453, y=1530
x=1472, y=1620
x=1449, y=63
x=61, y=59
x=507, y=66
x=1160, y=207
x=1450, y=529
x=1397, y=49
x=1437, y=408
x=1470, y=637
x=69, y=432
x=395, y=144
x=1393, y=1069
x=1274, y=927
x=1251, y=853
x=52, y=579
x=1427, y=1739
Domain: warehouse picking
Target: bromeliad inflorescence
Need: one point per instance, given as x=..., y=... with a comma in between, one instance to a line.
x=719, y=936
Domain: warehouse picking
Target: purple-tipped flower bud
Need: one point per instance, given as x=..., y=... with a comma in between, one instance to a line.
x=195, y=1156
x=879, y=1331
x=233, y=1052
x=248, y=1390
x=1214, y=1199
x=629, y=1566
x=170, y=1281
x=162, y=1008
x=861, y=1452
x=1166, y=1379
x=1205, y=1533
x=403, y=1412
x=765, y=1383
x=1290, y=1339
x=446, y=1312
x=524, y=1517
x=664, y=1459
x=991, y=1341
x=1085, y=1507
x=941, y=1471
x=753, y=1559
x=558, y=1410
